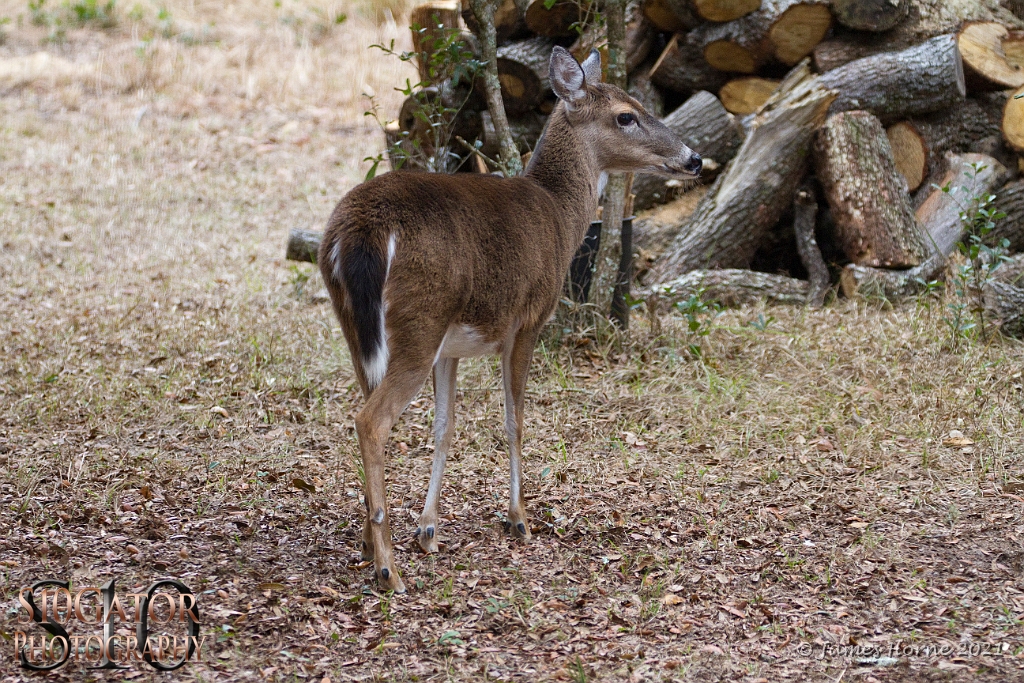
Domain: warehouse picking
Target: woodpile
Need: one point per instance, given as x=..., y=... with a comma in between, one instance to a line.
x=825, y=126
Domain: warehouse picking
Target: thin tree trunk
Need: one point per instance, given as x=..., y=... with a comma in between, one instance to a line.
x=805, y=213
x=484, y=11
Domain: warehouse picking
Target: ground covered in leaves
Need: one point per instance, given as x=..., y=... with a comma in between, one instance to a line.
x=830, y=495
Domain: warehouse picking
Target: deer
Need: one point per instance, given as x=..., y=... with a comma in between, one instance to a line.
x=424, y=269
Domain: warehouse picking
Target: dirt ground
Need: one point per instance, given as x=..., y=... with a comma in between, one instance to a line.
x=827, y=495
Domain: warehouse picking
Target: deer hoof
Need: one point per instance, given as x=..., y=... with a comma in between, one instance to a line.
x=427, y=540
x=520, y=531
x=390, y=580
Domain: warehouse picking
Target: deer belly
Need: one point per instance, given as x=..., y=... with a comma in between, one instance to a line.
x=462, y=341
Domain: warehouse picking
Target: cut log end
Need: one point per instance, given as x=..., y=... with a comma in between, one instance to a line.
x=746, y=95
x=1013, y=120
x=798, y=30
x=991, y=56
x=726, y=55
x=870, y=15
x=725, y=10
x=910, y=153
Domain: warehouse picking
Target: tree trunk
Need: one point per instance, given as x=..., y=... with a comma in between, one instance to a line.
x=507, y=19
x=757, y=187
x=920, y=144
x=744, y=96
x=870, y=15
x=525, y=129
x=867, y=194
x=681, y=68
x=429, y=22
x=786, y=30
x=1009, y=200
x=640, y=38
x=805, y=213
x=484, y=11
x=992, y=56
x=725, y=10
x=895, y=85
x=302, y=245
x=523, y=72
x=939, y=215
x=734, y=287
x=707, y=128
x=1012, y=123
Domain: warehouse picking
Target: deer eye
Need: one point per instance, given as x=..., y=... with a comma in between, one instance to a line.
x=625, y=119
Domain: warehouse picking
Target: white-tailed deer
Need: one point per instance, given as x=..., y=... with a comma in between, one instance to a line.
x=424, y=269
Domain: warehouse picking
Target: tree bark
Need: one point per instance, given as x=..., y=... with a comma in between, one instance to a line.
x=681, y=68
x=525, y=129
x=640, y=38
x=302, y=245
x=646, y=93
x=920, y=144
x=1009, y=200
x=786, y=30
x=757, y=187
x=1004, y=304
x=734, y=287
x=868, y=282
x=867, y=194
x=805, y=213
x=895, y=85
x=992, y=56
x=484, y=11
x=705, y=127
x=523, y=73
x=939, y=215
x=744, y=96
x=870, y=15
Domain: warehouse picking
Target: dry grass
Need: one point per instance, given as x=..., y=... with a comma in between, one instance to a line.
x=694, y=519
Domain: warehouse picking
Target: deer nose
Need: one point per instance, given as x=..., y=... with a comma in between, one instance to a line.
x=695, y=164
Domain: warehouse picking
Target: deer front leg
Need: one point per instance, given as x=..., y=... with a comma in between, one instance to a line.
x=444, y=426
x=515, y=367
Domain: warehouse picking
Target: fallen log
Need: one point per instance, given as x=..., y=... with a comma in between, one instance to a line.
x=1009, y=200
x=553, y=21
x=733, y=287
x=870, y=15
x=508, y=20
x=725, y=10
x=993, y=56
x=920, y=144
x=744, y=96
x=896, y=85
x=1004, y=306
x=805, y=213
x=670, y=16
x=429, y=22
x=523, y=73
x=757, y=186
x=681, y=68
x=706, y=127
x=786, y=30
x=880, y=283
x=1012, y=123
x=867, y=194
x=939, y=214
x=302, y=245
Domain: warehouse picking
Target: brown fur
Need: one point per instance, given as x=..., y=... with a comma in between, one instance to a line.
x=482, y=251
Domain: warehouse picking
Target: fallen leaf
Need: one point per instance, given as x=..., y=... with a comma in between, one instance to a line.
x=672, y=599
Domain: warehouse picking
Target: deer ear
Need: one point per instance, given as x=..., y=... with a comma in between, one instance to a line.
x=592, y=67
x=567, y=77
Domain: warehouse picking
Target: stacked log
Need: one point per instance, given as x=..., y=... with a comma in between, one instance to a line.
x=824, y=125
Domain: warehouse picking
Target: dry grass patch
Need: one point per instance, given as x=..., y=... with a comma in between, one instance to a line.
x=175, y=401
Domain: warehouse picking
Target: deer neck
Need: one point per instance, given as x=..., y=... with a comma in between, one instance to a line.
x=564, y=165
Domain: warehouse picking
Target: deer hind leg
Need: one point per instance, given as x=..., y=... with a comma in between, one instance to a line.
x=444, y=426
x=515, y=367
x=401, y=382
